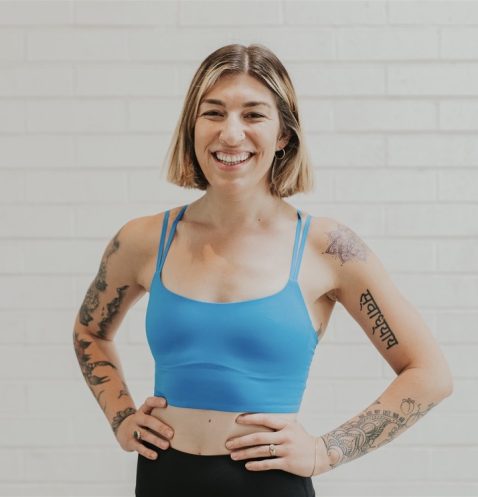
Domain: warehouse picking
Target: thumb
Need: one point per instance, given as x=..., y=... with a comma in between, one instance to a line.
x=152, y=402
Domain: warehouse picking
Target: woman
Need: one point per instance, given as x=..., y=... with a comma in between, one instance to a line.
x=241, y=288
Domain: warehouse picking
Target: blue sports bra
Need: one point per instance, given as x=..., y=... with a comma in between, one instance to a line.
x=247, y=356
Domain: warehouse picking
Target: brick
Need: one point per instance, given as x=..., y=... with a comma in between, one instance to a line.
x=333, y=13
x=43, y=79
x=231, y=13
x=387, y=43
x=347, y=150
x=433, y=12
x=12, y=45
x=384, y=186
x=76, y=44
x=126, y=13
x=458, y=186
x=31, y=13
x=456, y=326
x=76, y=116
x=35, y=221
x=36, y=151
x=126, y=79
x=432, y=220
x=458, y=114
x=76, y=187
x=314, y=79
x=432, y=151
x=378, y=114
x=435, y=79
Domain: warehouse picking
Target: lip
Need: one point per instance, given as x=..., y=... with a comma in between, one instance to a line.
x=223, y=167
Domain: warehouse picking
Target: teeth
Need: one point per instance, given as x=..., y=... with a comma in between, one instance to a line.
x=233, y=158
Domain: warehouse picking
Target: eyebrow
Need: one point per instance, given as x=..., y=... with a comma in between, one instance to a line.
x=215, y=101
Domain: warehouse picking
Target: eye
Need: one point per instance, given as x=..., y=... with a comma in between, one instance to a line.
x=210, y=113
x=255, y=114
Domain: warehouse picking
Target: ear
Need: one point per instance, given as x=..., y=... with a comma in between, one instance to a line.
x=284, y=140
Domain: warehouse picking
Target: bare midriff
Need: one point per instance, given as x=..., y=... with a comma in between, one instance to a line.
x=205, y=432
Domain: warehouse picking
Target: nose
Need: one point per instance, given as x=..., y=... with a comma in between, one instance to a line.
x=232, y=131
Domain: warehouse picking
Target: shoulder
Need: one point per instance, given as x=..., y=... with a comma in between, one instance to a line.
x=141, y=234
x=342, y=248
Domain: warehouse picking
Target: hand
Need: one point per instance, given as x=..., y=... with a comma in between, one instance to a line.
x=295, y=448
x=149, y=426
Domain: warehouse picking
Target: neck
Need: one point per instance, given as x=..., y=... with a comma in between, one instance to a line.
x=227, y=212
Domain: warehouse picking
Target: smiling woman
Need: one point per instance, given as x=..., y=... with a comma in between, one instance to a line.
x=241, y=287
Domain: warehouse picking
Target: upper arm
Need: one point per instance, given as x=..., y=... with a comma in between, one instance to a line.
x=115, y=287
x=367, y=292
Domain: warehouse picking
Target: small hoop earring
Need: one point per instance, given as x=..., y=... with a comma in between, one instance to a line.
x=282, y=156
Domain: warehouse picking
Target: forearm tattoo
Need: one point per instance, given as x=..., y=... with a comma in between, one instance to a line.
x=370, y=430
x=99, y=285
x=88, y=366
x=372, y=309
x=120, y=416
x=346, y=245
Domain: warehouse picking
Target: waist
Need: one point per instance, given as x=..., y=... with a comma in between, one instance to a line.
x=205, y=431
x=222, y=388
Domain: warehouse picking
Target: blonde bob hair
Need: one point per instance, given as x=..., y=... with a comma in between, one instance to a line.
x=288, y=175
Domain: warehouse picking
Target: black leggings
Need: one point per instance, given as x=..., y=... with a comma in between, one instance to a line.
x=180, y=474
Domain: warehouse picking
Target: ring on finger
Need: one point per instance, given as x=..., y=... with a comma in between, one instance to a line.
x=272, y=449
x=137, y=435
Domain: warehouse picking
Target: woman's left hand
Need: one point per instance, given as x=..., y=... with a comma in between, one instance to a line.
x=294, y=447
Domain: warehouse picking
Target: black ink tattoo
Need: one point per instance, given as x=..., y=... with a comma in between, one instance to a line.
x=373, y=310
x=120, y=416
x=370, y=430
x=124, y=391
x=99, y=285
x=346, y=245
x=112, y=310
x=87, y=367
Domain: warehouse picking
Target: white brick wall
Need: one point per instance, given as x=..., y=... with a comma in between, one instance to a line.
x=90, y=92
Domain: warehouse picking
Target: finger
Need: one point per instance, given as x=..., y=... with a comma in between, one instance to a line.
x=265, y=464
x=253, y=452
x=153, y=439
x=144, y=451
x=160, y=428
x=156, y=402
x=257, y=438
x=262, y=419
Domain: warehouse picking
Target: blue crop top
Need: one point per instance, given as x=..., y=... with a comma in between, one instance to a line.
x=246, y=356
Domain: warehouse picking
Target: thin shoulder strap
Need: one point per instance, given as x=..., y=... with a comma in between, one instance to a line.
x=163, y=252
x=299, y=245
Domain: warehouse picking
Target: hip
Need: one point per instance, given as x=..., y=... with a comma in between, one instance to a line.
x=175, y=474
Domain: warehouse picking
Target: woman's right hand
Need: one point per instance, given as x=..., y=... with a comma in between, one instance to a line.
x=149, y=426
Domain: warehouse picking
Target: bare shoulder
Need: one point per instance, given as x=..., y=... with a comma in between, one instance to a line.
x=336, y=244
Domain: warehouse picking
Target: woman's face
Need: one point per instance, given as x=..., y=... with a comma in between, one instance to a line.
x=232, y=125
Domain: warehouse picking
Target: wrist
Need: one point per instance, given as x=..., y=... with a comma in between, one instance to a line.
x=322, y=457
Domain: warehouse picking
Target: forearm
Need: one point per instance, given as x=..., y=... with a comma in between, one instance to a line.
x=101, y=369
x=409, y=397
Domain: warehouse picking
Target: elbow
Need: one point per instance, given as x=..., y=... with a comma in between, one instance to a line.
x=447, y=386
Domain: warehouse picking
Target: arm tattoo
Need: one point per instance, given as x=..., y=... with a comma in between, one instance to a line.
x=120, y=416
x=346, y=245
x=99, y=285
x=370, y=430
x=124, y=391
x=366, y=300
x=88, y=366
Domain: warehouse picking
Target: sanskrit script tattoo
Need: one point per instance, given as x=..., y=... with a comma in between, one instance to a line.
x=346, y=245
x=99, y=285
x=368, y=302
x=370, y=430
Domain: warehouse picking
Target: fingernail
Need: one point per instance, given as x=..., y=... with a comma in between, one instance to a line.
x=169, y=433
x=228, y=445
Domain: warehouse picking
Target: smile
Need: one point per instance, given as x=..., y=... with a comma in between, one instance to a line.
x=231, y=165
